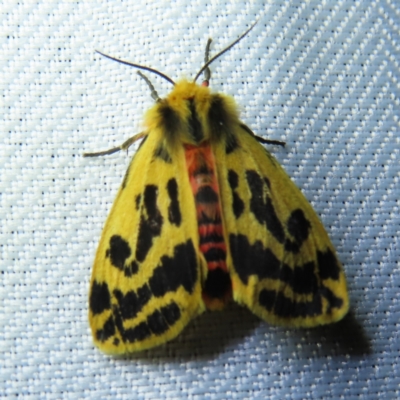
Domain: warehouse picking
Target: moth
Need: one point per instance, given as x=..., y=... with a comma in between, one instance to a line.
x=205, y=214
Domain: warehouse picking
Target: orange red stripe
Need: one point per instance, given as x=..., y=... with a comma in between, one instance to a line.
x=203, y=180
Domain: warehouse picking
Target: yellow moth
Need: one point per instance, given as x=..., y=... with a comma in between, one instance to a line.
x=204, y=215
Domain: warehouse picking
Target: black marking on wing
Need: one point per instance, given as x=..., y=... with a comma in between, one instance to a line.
x=132, y=302
x=302, y=279
x=333, y=301
x=237, y=202
x=99, y=300
x=118, y=321
x=257, y=260
x=118, y=252
x=328, y=265
x=261, y=205
x=299, y=227
x=157, y=323
x=138, y=199
x=172, y=272
x=174, y=212
x=171, y=313
x=137, y=333
x=287, y=308
x=169, y=275
x=151, y=222
x=150, y=225
x=107, y=331
x=194, y=124
x=131, y=269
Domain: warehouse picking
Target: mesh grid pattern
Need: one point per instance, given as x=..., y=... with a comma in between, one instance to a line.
x=321, y=75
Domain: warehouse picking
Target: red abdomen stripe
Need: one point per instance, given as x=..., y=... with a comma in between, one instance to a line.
x=203, y=180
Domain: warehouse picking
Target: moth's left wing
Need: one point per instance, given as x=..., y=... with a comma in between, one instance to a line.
x=146, y=280
x=280, y=259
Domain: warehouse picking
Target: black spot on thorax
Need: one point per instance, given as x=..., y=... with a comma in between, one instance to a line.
x=194, y=124
x=170, y=122
x=222, y=123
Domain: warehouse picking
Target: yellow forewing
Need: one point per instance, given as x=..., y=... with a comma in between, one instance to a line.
x=282, y=264
x=146, y=281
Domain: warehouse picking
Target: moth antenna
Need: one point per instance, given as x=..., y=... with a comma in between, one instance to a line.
x=207, y=71
x=205, y=66
x=154, y=71
x=154, y=93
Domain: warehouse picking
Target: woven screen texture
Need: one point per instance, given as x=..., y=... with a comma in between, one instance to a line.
x=323, y=76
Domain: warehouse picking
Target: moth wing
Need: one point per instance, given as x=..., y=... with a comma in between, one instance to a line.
x=146, y=284
x=282, y=264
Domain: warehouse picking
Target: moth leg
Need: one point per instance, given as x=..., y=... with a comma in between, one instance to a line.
x=268, y=141
x=261, y=139
x=123, y=146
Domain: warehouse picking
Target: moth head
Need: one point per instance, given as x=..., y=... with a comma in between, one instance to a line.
x=190, y=113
